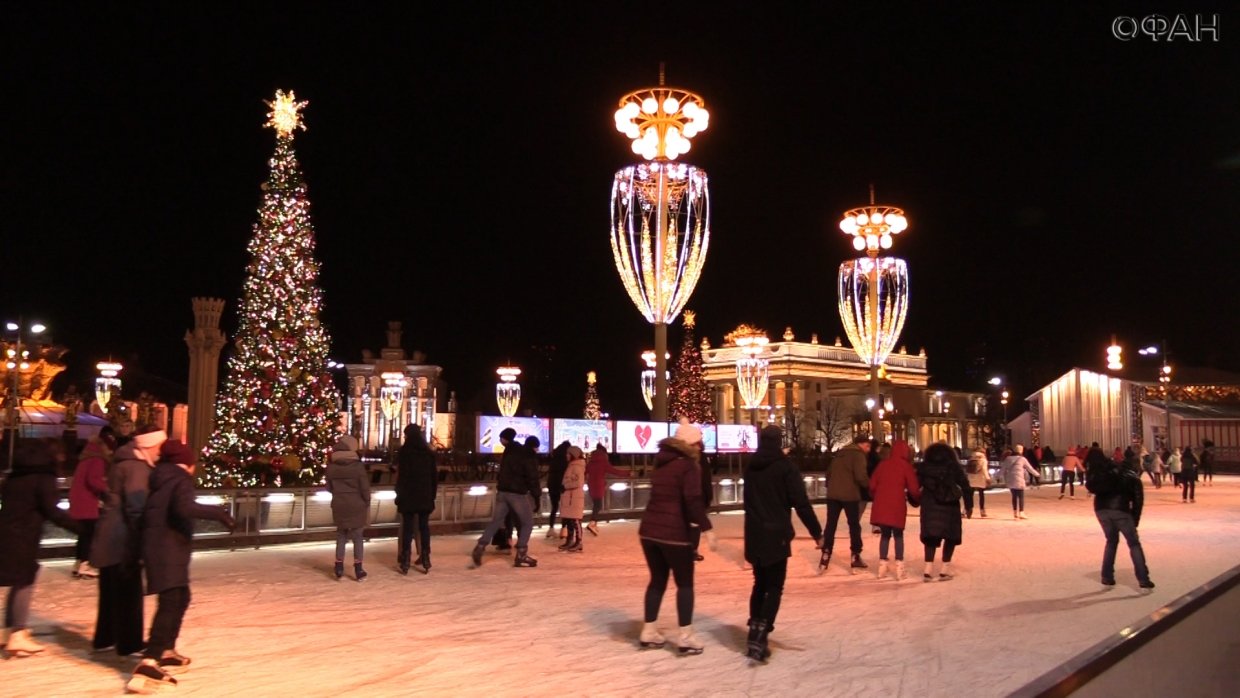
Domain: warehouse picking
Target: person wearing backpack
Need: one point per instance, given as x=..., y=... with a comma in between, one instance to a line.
x=942, y=483
x=1118, y=500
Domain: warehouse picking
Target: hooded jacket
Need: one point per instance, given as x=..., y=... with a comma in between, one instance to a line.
x=518, y=471
x=675, y=495
x=350, y=488
x=168, y=527
x=598, y=467
x=117, y=538
x=89, y=481
x=893, y=477
x=573, y=499
x=417, y=478
x=847, y=475
x=773, y=486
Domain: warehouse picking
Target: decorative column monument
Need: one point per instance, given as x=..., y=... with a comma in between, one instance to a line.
x=205, y=342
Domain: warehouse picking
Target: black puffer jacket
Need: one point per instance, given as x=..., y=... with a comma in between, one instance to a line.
x=168, y=527
x=773, y=486
x=417, y=480
x=940, y=520
x=518, y=471
x=675, y=495
x=1130, y=496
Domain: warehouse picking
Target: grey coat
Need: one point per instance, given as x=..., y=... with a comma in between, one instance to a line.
x=350, y=487
x=117, y=538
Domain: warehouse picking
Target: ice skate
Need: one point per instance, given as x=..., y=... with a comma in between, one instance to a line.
x=946, y=574
x=402, y=563
x=824, y=561
x=593, y=527
x=476, y=555
x=174, y=662
x=524, y=560
x=882, y=569
x=149, y=678
x=687, y=642
x=574, y=548
x=358, y=573
x=857, y=564
x=757, y=648
x=899, y=574
x=423, y=563
x=1146, y=587
x=928, y=575
x=339, y=570
x=21, y=644
x=651, y=638
x=551, y=532
x=983, y=513
x=1022, y=515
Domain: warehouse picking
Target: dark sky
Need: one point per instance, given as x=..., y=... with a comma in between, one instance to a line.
x=1061, y=185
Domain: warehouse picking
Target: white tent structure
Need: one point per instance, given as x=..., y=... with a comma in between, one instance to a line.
x=1081, y=407
x=44, y=418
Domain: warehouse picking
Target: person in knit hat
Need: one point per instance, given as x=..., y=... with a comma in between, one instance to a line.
x=675, y=504
x=350, y=488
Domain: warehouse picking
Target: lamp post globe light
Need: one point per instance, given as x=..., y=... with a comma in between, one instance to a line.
x=16, y=362
x=508, y=390
x=873, y=292
x=660, y=212
x=753, y=376
x=1164, y=378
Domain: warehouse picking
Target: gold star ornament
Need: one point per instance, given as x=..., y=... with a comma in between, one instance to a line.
x=285, y=114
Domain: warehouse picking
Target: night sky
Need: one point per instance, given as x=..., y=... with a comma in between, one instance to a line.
x=1061, y=185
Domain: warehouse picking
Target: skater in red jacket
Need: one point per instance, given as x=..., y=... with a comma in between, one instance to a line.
x=892, y=486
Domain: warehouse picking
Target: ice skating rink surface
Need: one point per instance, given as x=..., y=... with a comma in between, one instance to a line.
x=1026, y=597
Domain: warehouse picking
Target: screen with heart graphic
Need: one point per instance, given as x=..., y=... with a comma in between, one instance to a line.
x=639, y=437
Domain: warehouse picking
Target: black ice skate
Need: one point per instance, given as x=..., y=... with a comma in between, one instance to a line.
x=857, y=564
x=358, y=573
x=524, y=560
x=757, y=648
x=824, y=561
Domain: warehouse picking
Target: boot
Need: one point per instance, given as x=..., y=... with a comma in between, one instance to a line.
x=882, y=568
x=651, y=638
x=88, y=571
x=523, y=559
x=983, y=513
x=149, y=678
x=1015, y=514
x=824, y=561
x=946, y=574
x=339, y=569
x=899, y=574
x=928, y=575
x=403, y=562
x=21, y=644
x=358, y=573
x=551, y=531
x=593, y=527
x=423, y=563
x=857, y=563
x=476, y=555
x=174, y=662
x=757, y=647
x=687, y=642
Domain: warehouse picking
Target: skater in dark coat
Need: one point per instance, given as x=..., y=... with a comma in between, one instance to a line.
x=555, y=483
x=675, y=503
x=773, y=486
x=167, y=543
x=417, y=483
x=350, y=488
x=943, y=482
x=516, y=489
x=117, y=548
x=27, y=500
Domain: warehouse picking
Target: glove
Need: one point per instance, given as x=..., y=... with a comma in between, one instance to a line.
x=712, y=541
x=229, y=522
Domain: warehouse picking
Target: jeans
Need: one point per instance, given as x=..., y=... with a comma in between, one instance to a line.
x=853, y=514
x=660, y=559
x=522, y=506
x=890, y=532
x=768, y=591
x=948, y=549
x=119, y=618
x=166, y=625
x=17, y=607
x=408, y=524
x=1018, y=500
x=1113, y=524
x=343, y=536
x=1069, y=481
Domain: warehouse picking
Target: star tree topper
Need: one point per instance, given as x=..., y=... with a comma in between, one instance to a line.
x=285, y=114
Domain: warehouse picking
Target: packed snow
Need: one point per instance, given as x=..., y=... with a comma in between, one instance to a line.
x=1025, y=598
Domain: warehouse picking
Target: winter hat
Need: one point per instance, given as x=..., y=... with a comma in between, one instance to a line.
x=174, y=451
x=413, y=432
x=575, y=453
x=688, y=433
x=771, y=436
x=345, y=443
x=508, y=433
x=150, y=439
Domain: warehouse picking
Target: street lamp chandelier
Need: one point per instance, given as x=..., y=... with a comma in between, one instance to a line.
x=661, y=120
x=872, y=227
x=508, y=390
x=107, y=383
x=392, y=394
x=752, y=369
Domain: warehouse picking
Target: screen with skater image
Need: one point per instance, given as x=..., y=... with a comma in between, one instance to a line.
x=737, y=438
x=490, y=427
x=585, y=434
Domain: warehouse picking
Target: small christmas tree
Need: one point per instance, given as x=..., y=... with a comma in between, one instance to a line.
x=592, y=408
x=688, y=394
x=276, y=416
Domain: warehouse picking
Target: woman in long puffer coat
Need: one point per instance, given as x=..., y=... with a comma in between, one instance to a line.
x=942, y=484
x=892, y=485
x=573, y=498
x=350, y=488
x=29, y=498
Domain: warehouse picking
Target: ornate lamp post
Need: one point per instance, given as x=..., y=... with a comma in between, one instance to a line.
x=16, y=363
x=753, y=375
x=873, y=291
x=508, y=390
x=660, y=212
x=391, y=402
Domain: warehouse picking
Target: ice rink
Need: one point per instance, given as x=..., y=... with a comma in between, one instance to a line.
x=1025, y=598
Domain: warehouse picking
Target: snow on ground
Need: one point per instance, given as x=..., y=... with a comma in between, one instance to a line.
x=1026, y=597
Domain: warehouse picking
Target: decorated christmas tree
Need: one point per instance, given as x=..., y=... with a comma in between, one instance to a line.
x=592, y=408
x=688, y=394
x=276, y=415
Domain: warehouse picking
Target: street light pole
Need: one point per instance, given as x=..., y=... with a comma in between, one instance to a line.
x=1164, y=377
x=16, y=364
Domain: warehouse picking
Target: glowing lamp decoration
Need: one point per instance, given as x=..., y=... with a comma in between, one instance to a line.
x=285, y=114
x=873, y=291
x=1115, y=360
x=648, y=376
x=660, y=212
x=392, y=395
x=508, y=390
x=107, y=383
x=752, y=369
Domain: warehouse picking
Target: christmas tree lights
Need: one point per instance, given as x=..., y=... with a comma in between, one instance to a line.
x=688, y=393
x=276, y=415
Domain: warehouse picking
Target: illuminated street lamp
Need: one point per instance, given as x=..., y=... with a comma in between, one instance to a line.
x=752, y=369
x=873, y=291
x=391, y=402
x=1115, y=360
x=660, y=212
x=16, y=362
x=107, y=385
x=508, y=390
x=648, y=381
x=1164, y=377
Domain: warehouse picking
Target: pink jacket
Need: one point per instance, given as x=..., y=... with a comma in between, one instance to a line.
x=89, y=482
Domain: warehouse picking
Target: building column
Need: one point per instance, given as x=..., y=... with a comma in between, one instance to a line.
x=205, y=342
